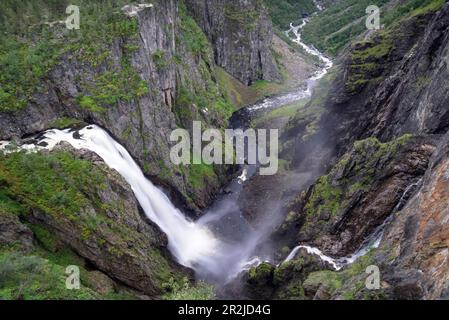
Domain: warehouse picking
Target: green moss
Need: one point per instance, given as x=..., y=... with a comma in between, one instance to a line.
x=192, y=36
x=372, y=51
x=111, y=87
x=7, y=205
x=30, y=48
x=368, y=61
x=64, y=122
x=160, y=60
x=199, y=174
x=324, y=198
x=262, y=271
x=45, y=238
x=185, y=291
x=332, y=280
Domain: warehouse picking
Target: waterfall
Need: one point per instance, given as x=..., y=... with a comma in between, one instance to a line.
x=372, y=242
x=190, y=243
x=217, y=255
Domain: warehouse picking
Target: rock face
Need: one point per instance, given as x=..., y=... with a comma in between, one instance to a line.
x=13, y=232
x=343, y=208
x=417, y=240
x=387, y=86
x=393, y=84
x=170, y=81
x=241, y=34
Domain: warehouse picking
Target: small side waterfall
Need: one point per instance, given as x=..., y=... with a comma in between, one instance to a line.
x=372, y=242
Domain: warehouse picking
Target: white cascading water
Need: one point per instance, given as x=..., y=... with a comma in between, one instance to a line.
x=373, y=242
x=285, y=99
x=192, y=243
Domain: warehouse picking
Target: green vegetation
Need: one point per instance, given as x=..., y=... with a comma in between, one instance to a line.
x=64, y=122
x=332, y=29
x=283, y=12
x=242, y=19
x=55, y=183
x=333, y=192
x=160, y=59
x=111, y=87
x=196, y=100
x=31, y=277
x=368, y=61
x=347, y=283
x=32, y=41
x=411, y=8
x=193, y=37
x=67, y=191
x=286, y=111
x=41, y=274
x=198, y=174
x=185, y=291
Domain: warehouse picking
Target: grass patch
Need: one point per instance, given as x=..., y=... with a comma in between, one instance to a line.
x=185, y=291
x=30, y=47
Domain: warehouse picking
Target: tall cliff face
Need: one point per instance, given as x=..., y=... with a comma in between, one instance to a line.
x=389, y=85
x=241, y=34
x=155, y=72
x=388, y=88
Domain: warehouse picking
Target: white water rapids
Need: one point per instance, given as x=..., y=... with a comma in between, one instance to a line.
x=285, y=99
x=215, y=255
x=373, y=242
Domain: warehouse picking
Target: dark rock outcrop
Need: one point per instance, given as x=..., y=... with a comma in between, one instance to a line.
x=284, y=281
x=417, y=240
x=241, y=34
x=13, y=232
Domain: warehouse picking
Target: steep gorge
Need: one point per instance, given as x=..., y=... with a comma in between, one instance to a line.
x=379, y=126
x=365, y=158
